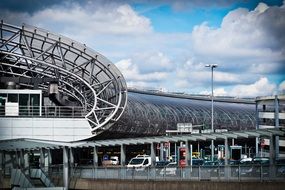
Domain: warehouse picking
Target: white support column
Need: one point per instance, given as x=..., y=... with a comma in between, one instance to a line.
x=272, y=150
x=161, y=152
x=71, y=156
x=42, y=158
x=22, y=160
x=65, y=167
x=276, y=115
x=152, y=154
x=189, y=150
x=272, y=153
x=95, y=156
x=26, y=159
x=123, y=155
x=226, y=151
x=49, y=157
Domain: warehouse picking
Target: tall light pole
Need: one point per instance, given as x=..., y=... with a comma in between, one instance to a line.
x=212, y=66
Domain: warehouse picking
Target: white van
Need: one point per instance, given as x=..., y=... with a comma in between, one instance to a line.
x=140, y=161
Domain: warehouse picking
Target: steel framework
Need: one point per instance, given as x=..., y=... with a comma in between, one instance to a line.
x=82, y=74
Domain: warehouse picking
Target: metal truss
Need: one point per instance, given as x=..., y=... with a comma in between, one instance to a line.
x=82, y=74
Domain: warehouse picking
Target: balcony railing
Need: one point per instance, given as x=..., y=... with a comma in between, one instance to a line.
x=44, y=111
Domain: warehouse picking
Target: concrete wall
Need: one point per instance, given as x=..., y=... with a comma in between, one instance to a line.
x=172, y=185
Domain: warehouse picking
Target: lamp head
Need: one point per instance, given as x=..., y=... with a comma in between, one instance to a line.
x=212, y=65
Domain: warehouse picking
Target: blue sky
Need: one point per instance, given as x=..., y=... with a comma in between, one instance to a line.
x=165, y=44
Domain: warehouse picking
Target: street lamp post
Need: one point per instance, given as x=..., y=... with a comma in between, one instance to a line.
x=212, y=66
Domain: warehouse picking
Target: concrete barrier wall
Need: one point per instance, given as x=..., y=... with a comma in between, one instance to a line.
x=173, y=185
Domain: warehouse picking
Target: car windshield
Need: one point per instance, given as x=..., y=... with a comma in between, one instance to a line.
x=136, y=161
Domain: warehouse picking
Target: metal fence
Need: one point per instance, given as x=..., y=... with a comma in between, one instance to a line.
x=195, y=173
x=46, y=111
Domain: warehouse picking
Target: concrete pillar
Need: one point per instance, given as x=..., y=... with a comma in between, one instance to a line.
x=42, y=157
x=152, y=154
x=95, y=156
x=123, y=155
x=161, y=152
x=272, y=153
x=22, y=160
x=256, y=146
x=16, y=160
x=189, y=150
x=71, y=156
x=26, y=159
x=276, y=115
x=257, y=127
x=65, y=167
x=226, y=151
x=272, y=150
x=49, y=157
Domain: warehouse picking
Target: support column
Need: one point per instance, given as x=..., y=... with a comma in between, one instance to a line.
x=65, y=167
x=272, y=153
x=42, y=158
x=16, y=159
x=189, y=149
x=161, y=152
x=123, y=155
x=22, y=160
x=1, y=159
x=272, y=150
x=276, y=115
x=95, y=156
x=226, y=151
x=257, y=127
x=71, y=156
x=49, y=157
x=26, y=160
x=152, y=154
x=256, y=146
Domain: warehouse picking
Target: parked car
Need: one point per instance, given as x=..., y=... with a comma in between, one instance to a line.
x=114, y=160
x=260, y=160
x=140, y=162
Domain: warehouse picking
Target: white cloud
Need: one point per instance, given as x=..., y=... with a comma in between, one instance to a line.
x=245, y=37
x=132, y=73
x=281, y=88
x=262, y=87
x=248, y=45
x=78, y=20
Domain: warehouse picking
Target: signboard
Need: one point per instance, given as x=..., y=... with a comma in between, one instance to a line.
x=11, y=109
x=184, y=127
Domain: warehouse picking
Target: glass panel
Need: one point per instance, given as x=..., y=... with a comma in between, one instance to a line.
x=3, y=95
x=2, y=105
x=35, y=102
x=24, y=104
x=12, y=97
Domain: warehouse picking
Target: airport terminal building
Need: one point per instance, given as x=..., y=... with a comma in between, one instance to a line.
x=57, y=94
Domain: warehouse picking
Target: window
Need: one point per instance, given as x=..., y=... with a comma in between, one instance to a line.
x=24, y=104
x=145, y=162
x=13, y=98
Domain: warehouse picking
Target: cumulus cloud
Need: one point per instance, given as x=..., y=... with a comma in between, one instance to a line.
x=81, y=20
x=135, y=77
x=245, y=37
x=247, y=45
x=262, y=87
x=281, y=88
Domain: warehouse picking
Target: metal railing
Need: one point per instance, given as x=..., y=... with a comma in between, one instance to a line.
x=195, y=173
x=45, y=111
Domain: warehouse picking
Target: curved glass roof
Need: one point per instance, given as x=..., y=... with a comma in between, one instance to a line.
x=150, y=114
